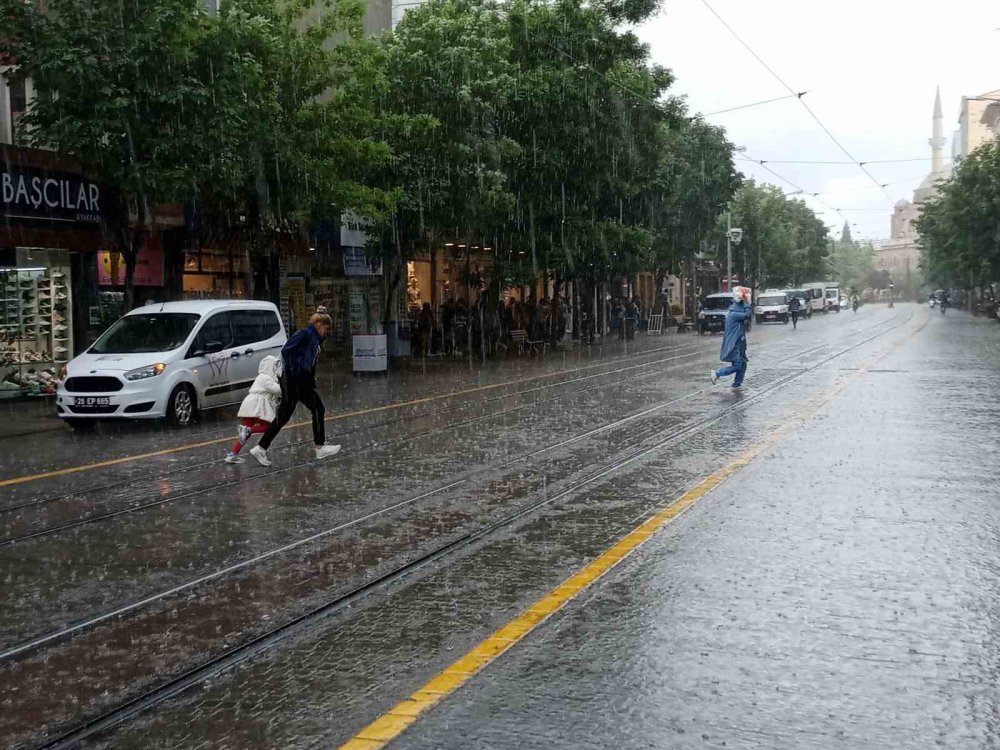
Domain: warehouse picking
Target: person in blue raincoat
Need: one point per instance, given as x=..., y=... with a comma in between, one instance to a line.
x=734, y=340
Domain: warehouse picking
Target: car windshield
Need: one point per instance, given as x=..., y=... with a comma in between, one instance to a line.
x=771, y=301
x=716, y=303
x=153, y=332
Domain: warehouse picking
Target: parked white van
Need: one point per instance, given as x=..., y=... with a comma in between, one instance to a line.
x=817, y=295
x=170, y=360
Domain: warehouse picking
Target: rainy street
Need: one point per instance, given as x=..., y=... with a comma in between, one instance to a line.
x=814, y=568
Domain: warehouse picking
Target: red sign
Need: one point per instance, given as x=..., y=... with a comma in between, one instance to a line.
x=148, y=266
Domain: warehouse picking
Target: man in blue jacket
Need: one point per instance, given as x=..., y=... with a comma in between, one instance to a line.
x=734, y=340
x=300, y=354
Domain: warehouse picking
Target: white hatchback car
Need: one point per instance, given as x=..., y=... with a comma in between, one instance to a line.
x=170, y=360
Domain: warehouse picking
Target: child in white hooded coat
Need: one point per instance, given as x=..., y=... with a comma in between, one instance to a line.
x=260, y=407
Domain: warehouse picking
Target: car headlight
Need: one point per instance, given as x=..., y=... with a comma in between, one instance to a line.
x=759, y=310
x=149, y=371
x=783, y=309
x=63, y=372
x=701, y=316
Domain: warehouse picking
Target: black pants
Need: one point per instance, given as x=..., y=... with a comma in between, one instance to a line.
x=294, y=391
x=795, y=318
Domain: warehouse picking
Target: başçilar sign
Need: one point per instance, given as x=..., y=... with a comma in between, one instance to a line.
x=29, y=193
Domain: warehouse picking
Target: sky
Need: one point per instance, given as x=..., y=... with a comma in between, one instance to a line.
x=870, y=69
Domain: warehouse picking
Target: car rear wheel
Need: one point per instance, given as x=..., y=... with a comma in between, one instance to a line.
x=81, y=425
x=182, y=406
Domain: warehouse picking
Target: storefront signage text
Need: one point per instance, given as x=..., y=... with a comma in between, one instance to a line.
x=49, y=196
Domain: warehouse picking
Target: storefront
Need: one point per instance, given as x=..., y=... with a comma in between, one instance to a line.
x=50, y=227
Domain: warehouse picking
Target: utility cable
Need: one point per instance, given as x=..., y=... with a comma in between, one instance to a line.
x=800, y=98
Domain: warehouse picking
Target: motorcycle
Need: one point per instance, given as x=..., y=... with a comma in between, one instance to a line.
x=854, y=305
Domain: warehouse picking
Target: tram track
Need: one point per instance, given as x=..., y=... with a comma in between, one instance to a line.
x=232, y=657
x=156, y=498
x=36, y=502
x=683, y=430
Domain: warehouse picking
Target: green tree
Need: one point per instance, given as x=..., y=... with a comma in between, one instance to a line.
x=450, y=82
x=960, y=228
x=784, y=242
x=297, y=83
x=585, y=113
x=691, y=188
x=118, y=85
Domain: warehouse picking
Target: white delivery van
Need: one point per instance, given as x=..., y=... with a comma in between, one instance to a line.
x=772, y=307
x=170, y=360
x=817, y=295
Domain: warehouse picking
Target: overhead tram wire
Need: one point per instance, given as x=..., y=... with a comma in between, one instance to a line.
x=861, y=165
x=799, y=190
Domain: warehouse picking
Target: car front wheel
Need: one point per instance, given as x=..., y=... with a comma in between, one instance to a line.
x=181, y=408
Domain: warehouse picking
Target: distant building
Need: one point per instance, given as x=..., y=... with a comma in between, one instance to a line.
x=978, y=123
x=900, y=254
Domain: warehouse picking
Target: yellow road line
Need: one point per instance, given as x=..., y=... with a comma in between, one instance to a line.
x=292, y=425
x=396, y=720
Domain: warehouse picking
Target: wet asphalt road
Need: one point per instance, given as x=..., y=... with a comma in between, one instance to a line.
x=836, y=591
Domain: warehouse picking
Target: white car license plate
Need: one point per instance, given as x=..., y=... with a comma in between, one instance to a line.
x=92, y=401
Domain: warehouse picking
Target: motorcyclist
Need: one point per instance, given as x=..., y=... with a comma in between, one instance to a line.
x=854, y=302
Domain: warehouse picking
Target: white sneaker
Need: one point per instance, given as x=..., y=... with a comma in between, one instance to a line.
x=325, y=451
x=714, y=376
x=232, y=458
x=261, y=455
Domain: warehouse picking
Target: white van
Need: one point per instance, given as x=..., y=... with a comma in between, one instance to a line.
x=772, y=306
x=817, y=295
x=833, y=296
x=170, y=360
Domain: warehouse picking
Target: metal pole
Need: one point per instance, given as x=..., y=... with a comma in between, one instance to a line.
x=729, y=252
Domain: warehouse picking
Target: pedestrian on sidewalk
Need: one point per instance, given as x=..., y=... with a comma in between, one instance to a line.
x=734, y=340
x=300, y=354
x=260, y=407
x=793, y=308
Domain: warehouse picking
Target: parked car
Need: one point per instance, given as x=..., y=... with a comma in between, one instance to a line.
x=772, y=307
x=170, y=360
x=712, y=315
x=844, y=303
